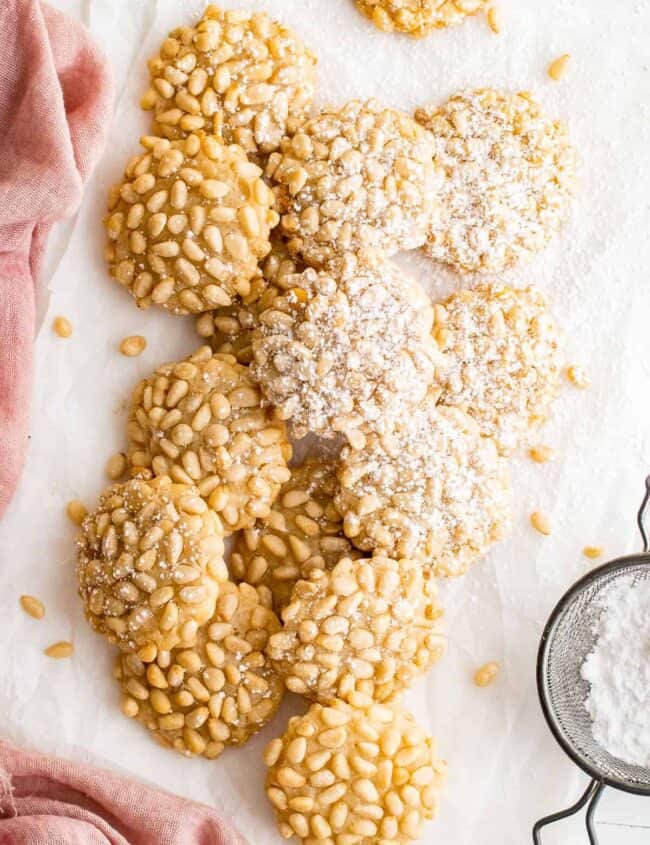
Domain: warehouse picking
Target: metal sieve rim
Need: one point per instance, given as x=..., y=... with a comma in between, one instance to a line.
x=617, y=565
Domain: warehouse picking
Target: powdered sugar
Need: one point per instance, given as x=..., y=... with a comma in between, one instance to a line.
x=618, y=670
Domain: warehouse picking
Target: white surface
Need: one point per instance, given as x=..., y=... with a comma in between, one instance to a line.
x=505, y=769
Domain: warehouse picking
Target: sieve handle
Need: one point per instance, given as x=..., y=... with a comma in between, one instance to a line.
x=642, y=515
x=591, y=795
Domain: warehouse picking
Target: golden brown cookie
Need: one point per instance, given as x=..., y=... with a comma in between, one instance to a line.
x=220, y=691
x=149, y=564
x=367, y=776
x=188, y=225
x=235, y=74
x=202, y=422
x=418, y=17
x=361, y=631
x=303, y=532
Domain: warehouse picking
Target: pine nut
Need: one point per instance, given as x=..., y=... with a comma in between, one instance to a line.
x=540, y=522
x=133, y=345
x=558, y=68
x=32, y=606
x=578, y=377
x=116, y=466
x=486, y=674
x=62, y=326
x=60, y=650
x=593, y=552
x=493, y=15
x=541, y=454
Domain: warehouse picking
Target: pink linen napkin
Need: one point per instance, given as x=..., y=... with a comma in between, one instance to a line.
x=49, y=801
x=55, y=107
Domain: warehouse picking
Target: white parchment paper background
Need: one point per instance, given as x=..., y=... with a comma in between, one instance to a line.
x=505, y=769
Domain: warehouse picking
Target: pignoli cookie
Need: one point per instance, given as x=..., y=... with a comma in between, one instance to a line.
x=150, y=564
x=358, y=775
x=360, y=632
x=201, y=421
x=235, y=74
x=303, y=532
x=503, y=359
x=217, y=693
x=189, y=224
x=347, y=352
x=356, y=179
x=434, y=488
x=509, y=173
x=418, y=17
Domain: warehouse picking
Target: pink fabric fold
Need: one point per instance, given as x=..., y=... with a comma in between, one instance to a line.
x=55, y=108
x=48, y=801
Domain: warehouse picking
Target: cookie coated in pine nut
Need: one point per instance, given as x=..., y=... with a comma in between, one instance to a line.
x=361, y=632
x=188, y=225
x=363, y=775
x=220, y=691
x=434, y=488
x=418, y=17
x=303, y=532
x=345, y=352
x=150, y=564
x=237, y=75
x=230, y=330
x=503, y=359
x=356, y=179
x=509, y=174
x=201, y=421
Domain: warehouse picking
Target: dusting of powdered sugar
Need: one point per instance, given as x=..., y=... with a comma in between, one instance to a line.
x=509, y=173
x=618, y=670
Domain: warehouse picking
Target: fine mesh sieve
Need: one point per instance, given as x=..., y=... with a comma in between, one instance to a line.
x=568, y=638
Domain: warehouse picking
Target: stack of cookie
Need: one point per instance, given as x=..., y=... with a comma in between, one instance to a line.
x=276, y=226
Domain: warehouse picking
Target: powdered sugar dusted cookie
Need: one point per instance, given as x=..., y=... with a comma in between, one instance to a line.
x=346, y=352
x=509, y=179
x=418, y=17
x=239, y=75
x=355, y=179
x=433, y=488
x=503, y=359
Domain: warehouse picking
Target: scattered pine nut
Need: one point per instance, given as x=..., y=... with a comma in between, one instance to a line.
x=133, y=345
x=541, y=454
x=486, y=674
x=76, y=511
x=116, y=466
x=557, y=69
x=592, y=552
x=60, y=649
x=32, y=606
x=540, y=523
x=578, y=377
x=494, y=19
x=62, y=326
